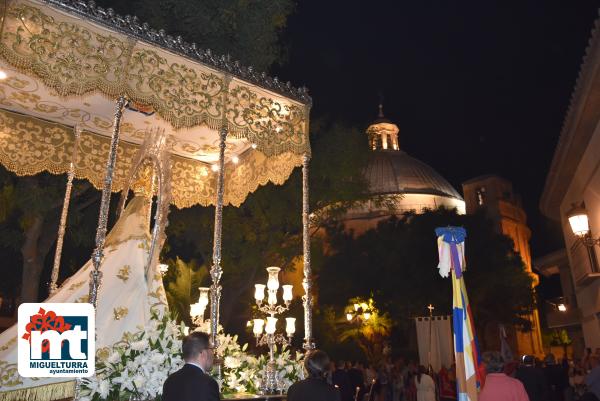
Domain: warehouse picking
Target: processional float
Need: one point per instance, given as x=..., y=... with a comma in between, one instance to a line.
x=97, y=96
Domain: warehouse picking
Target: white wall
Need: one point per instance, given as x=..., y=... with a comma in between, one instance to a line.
x=585, y=186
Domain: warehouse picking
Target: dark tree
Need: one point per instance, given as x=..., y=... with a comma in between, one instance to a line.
x=396, y=262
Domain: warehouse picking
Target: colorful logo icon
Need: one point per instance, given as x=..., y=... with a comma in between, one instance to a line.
x=56, y=340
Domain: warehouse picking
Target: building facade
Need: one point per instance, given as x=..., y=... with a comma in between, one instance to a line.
x=562, y=313
x=573, y=181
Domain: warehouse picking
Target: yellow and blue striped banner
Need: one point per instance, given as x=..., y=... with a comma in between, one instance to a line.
x=451, y=247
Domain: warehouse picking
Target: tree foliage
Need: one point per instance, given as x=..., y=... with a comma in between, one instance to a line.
x=368, y=332
x=396, y=262
x=248, y=30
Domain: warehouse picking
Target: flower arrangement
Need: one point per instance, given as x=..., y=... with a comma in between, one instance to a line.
x=243, y=372
x=137, y=366
x=290, y=368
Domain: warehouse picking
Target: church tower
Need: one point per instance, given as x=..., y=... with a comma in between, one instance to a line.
x=496, y=197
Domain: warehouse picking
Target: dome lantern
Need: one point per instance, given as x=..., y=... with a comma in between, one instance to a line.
x=383, y=134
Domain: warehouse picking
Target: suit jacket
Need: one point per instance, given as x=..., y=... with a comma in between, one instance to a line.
x=313, y=389
x=535, y=382
x=341, y=379
x=190, y=383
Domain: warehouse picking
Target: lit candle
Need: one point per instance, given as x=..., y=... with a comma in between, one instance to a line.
x=367, y=315
x=271, y=325
x=258, y=327
x=290, y=325
x=287, y=292
x=349, y=316
x=259, y=293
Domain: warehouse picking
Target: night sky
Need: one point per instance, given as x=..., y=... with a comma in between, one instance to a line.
x=475, y=87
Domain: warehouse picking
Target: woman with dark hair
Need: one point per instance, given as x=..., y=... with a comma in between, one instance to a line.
x=315, y=387
x=425, y=385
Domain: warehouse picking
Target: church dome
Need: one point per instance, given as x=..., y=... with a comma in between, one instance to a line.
x=398, y=182
x=396, y=172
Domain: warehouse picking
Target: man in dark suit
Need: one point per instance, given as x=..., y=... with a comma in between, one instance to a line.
x=533, y=379
x=341, y=380
x=192, y=383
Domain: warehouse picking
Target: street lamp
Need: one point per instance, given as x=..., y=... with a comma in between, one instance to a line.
x=579, y=222
x=269, y=325
x=197, y=310
x=359, y=312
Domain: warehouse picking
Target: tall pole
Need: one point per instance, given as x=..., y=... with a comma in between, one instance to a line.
x=216, y=271
x=307, y=281
x=431, y=308
x=98, y=254
x=65, y=211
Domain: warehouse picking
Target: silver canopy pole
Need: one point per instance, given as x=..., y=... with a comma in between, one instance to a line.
x=98, y=253
x=65, y=211
x=307, y=281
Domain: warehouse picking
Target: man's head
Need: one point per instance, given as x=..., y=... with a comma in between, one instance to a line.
x=340, y=365
x=595, y=361
x=528, y=360
x=494, y=363
x=316, y=363
x=196, y=348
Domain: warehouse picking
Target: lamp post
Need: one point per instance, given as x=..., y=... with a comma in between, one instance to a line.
x=269, y=326
x=579, y=222
x=197, y=310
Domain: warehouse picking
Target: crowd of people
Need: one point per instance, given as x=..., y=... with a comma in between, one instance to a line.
x=527, y=380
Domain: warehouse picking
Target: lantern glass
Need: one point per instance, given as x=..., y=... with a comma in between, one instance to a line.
x=196, y=310
x=273, y=282
x=287, y=292
x=259, y=292
x=272, y=298
x=203, y=299
x=579, y=224
x=258, y=327
x=290, y=325
x=271, y=325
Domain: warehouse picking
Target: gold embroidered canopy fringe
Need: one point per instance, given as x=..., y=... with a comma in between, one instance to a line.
x=68, y=70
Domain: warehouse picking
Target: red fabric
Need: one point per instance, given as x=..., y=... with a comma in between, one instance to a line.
x=447, y=386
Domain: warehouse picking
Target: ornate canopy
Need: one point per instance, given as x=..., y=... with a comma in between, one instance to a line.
x=67, y=61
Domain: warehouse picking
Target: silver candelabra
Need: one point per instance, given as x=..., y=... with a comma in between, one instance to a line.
x=270, y=338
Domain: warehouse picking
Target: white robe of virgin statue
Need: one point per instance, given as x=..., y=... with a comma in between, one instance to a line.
x=425, y=388
x=127, y=294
